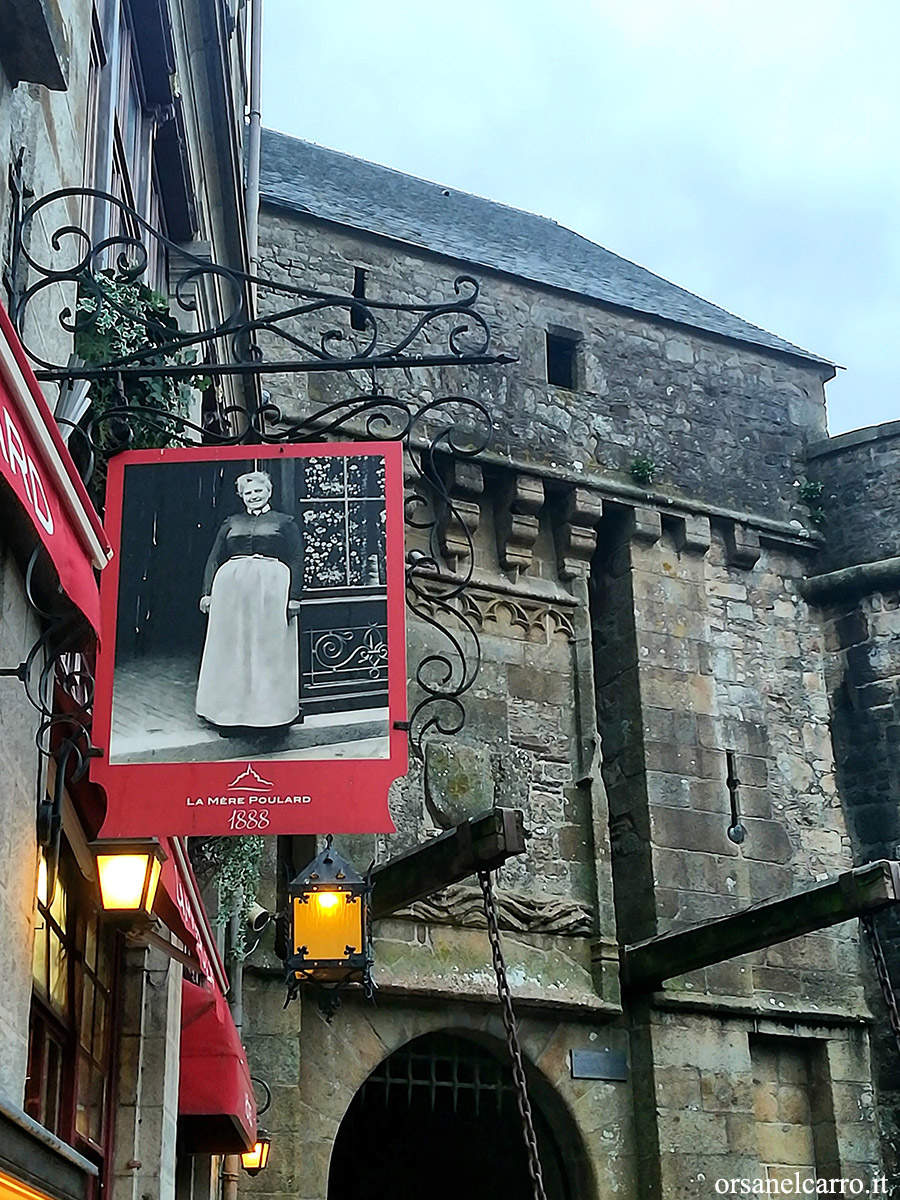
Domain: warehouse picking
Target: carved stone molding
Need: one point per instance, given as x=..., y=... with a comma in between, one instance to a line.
x=530, y=617
x=517, y=521
x=577, y=535
x=519, y=912
x=457, y=526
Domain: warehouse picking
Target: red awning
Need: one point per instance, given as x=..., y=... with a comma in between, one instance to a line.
x=216, y=1106
x=179, y=905
x=37, y=467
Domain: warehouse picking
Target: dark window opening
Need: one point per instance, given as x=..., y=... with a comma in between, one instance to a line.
x=562, y=354
x=357, y=315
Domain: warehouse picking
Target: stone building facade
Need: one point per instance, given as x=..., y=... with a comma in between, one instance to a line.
x=640, y=549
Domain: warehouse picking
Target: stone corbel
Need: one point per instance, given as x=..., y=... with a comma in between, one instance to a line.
x=577, y=535
x=644, y=525
x=692, y=534
x=742, y=545
x=465, y=484
x=517, y=521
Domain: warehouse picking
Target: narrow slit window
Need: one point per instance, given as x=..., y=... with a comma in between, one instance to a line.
x=357, y=316
x=562, y=352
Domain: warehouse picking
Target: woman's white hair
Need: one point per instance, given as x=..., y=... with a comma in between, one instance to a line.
x=253, y=477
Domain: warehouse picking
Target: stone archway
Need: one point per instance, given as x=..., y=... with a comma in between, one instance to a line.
x=438, y=1118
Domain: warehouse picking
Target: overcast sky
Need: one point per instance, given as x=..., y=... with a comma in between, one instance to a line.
x=745, y=149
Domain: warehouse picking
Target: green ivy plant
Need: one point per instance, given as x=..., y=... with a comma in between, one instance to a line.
x=810, y=492
x=232, y=865
x=643, y=469
x=116, y=317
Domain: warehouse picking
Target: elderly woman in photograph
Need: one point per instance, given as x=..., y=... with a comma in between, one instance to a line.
x=249, y=673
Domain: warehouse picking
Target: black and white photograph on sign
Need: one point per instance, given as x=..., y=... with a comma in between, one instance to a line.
x=252, y=611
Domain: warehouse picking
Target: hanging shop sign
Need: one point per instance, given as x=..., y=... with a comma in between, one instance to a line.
x=37, y=467
x=253, y=669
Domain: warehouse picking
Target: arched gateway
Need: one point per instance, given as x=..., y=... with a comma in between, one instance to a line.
x=438, y=1118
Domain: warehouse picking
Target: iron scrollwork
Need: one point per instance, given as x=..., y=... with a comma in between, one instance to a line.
x=314, y=330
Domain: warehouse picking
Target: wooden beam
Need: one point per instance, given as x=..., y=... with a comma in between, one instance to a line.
x=479, y=844
x=855, y=893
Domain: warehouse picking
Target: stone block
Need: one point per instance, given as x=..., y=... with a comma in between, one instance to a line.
x=742, y=545
x=726, y=1093
x=644, y=525
x=679, y=828
x=788, y=1145
x=692, y=534
x=766, y=841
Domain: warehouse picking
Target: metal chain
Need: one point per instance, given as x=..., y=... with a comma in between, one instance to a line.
x=884, y=978
x=512, y=1036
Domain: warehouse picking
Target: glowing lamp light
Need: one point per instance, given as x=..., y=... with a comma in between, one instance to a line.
x=331, y=944
x=128, y=872
x=255, y=1160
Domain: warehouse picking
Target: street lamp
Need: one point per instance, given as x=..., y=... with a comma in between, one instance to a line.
x=255, y=1160
x=128, y=872
x=331, y=939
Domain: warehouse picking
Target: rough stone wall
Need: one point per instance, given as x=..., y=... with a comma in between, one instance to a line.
x=18, y=844
x=860, y=610
x=715, y=1101
x=700, y=651
x=643, y=387
x=860, y=474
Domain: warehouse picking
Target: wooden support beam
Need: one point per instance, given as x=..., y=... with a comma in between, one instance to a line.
x=855, y=893
x=479, y=844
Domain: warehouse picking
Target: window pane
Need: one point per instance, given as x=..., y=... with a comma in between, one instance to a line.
x=51, y=1085
x=90, y=942
x=105, y=956
x=58, y=907
x=39, y=959
x=101, y=1007
x=59, y=977
x=87, y=1011
x=89, y=1102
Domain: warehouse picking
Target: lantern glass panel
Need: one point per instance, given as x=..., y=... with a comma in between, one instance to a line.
x=122, y=881
x=326, y=923
x=255, y=1160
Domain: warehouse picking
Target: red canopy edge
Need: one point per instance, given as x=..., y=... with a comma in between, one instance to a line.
x=179, y=905
x=216, y=1105
x=36, y=465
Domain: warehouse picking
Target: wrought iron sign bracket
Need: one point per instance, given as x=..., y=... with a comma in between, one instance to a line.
x=110, y=277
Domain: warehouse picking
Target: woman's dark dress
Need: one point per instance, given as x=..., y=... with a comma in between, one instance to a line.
x=249, y=673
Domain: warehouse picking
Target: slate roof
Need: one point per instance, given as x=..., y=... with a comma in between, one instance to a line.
x=350, y=191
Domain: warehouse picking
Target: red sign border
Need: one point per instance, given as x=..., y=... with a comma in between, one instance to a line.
x=150, y=799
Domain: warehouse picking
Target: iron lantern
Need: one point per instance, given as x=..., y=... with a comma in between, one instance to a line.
x=330, y=928
x=255, y=1160
x=128, y=873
